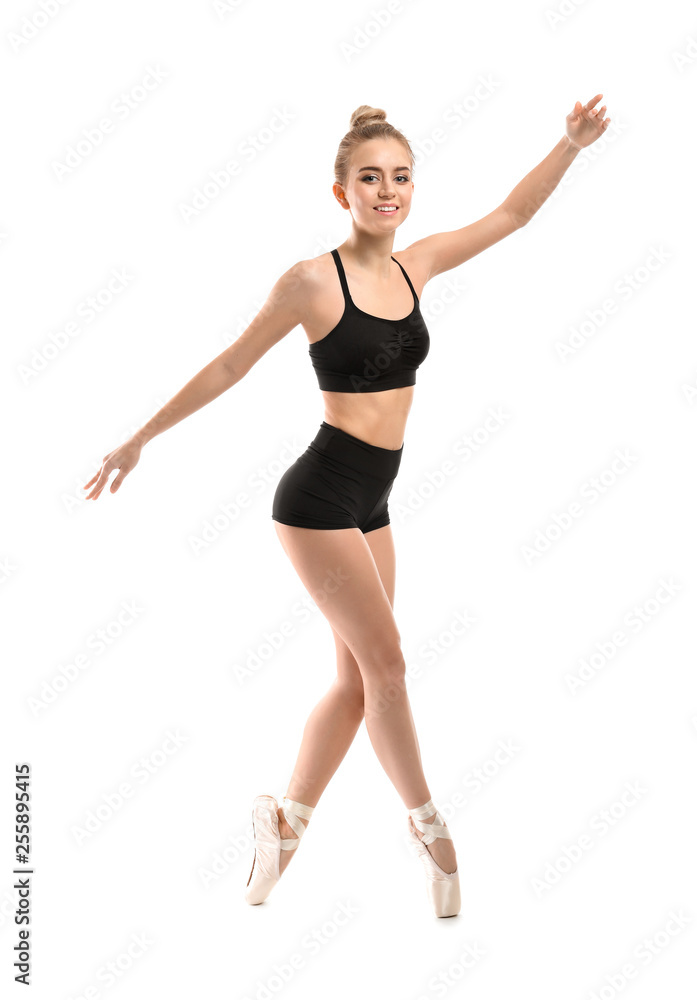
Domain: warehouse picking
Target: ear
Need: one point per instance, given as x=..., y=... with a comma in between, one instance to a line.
x=339, y=195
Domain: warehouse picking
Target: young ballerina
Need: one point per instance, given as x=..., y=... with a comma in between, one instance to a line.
x=359, y=306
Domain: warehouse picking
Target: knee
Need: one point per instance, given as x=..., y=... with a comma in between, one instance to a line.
x=388, y=670
x=385, y=689
x=353, y=695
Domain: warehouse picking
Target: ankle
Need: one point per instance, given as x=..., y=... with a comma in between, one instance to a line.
x=284, y=827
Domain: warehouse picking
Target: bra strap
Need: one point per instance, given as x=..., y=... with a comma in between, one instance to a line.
x=342, y=276
x=344, y=282
x=416, y=298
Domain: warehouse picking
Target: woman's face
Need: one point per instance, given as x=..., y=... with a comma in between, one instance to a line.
x=378, y=175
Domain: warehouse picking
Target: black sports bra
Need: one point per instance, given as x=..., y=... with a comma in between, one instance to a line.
x=365, y=353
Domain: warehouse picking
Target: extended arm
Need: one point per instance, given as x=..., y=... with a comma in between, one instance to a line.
x=278, y=316
x=443, y=251
x=536, y=187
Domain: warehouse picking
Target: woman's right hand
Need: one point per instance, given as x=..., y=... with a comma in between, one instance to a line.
x=125, y=458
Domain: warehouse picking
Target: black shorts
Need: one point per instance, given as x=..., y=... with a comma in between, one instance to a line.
x=339, y=481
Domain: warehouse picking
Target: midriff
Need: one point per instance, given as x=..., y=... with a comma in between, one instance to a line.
x=380, y=418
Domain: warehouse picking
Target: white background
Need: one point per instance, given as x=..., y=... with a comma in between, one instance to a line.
x=542, y=924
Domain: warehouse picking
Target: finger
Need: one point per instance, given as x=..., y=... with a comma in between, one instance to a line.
x=99, y=486
x=593, y=100
x=87, y=485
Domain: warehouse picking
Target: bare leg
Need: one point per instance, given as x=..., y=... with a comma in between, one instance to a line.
x=329, y=732
x=360, y=613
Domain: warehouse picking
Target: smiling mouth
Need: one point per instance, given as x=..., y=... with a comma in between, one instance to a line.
x=385, y=211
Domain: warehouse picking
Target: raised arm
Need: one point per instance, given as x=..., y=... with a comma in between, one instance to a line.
x=280, y=314
x=443, y=251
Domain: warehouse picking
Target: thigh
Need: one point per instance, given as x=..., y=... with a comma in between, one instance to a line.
x=381, y=545
x=341, y=574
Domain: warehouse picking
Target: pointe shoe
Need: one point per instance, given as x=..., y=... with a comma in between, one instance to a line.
x=443, y=888
x=268, y=844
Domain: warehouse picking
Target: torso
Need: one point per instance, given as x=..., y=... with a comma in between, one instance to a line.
x=379, y=418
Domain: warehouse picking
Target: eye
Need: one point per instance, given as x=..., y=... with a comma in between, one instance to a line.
x=367, y=177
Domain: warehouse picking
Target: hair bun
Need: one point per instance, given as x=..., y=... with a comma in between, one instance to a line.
x=365, y=115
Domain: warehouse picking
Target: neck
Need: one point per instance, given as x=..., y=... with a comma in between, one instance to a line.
x=369, y=253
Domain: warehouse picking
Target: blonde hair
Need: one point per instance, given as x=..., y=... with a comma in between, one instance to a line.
x=366, y=123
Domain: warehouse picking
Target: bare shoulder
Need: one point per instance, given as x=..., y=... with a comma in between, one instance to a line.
x=303, y=280
x=314, y=270
x=322, y=298
x=286, y=307
x=294, y=291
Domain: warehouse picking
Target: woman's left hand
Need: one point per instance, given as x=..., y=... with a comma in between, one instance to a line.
x=585, y=123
